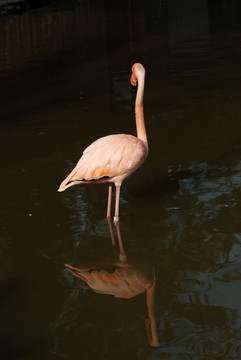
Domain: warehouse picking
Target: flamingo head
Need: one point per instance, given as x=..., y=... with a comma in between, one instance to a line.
x=137, y=70
x=151, y=335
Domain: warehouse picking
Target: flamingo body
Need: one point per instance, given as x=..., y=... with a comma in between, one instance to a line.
x=120, y=280
x=114, y=157
x=109, y=159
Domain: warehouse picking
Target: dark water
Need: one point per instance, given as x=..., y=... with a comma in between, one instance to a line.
x=64, y=72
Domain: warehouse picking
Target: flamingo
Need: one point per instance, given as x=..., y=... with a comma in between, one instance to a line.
x=124, y=277
x=114, y=157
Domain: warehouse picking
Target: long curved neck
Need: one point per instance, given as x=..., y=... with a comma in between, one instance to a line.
x=139, y=110
x=151, y=326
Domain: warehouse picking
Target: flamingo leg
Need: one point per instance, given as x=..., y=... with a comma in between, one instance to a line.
x=111, y=232
x=108, y=214
x=117, y=201
x=122, y=252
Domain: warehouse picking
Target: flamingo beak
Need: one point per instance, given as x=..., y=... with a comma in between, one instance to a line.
x=133, y=81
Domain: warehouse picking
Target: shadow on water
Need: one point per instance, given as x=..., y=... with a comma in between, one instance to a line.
x=123, y=277
x=64, y=73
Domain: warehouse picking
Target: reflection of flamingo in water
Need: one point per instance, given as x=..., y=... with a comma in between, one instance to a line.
x=112, y=158
x=123, y=277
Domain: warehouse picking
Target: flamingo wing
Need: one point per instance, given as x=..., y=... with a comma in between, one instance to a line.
x=110, y=158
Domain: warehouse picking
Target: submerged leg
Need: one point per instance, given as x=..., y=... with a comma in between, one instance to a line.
x=117, y=200
x=108, y=214
x=111, y=232
x=122, y=252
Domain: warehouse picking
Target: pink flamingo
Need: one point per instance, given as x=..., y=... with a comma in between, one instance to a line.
x=114, y=157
